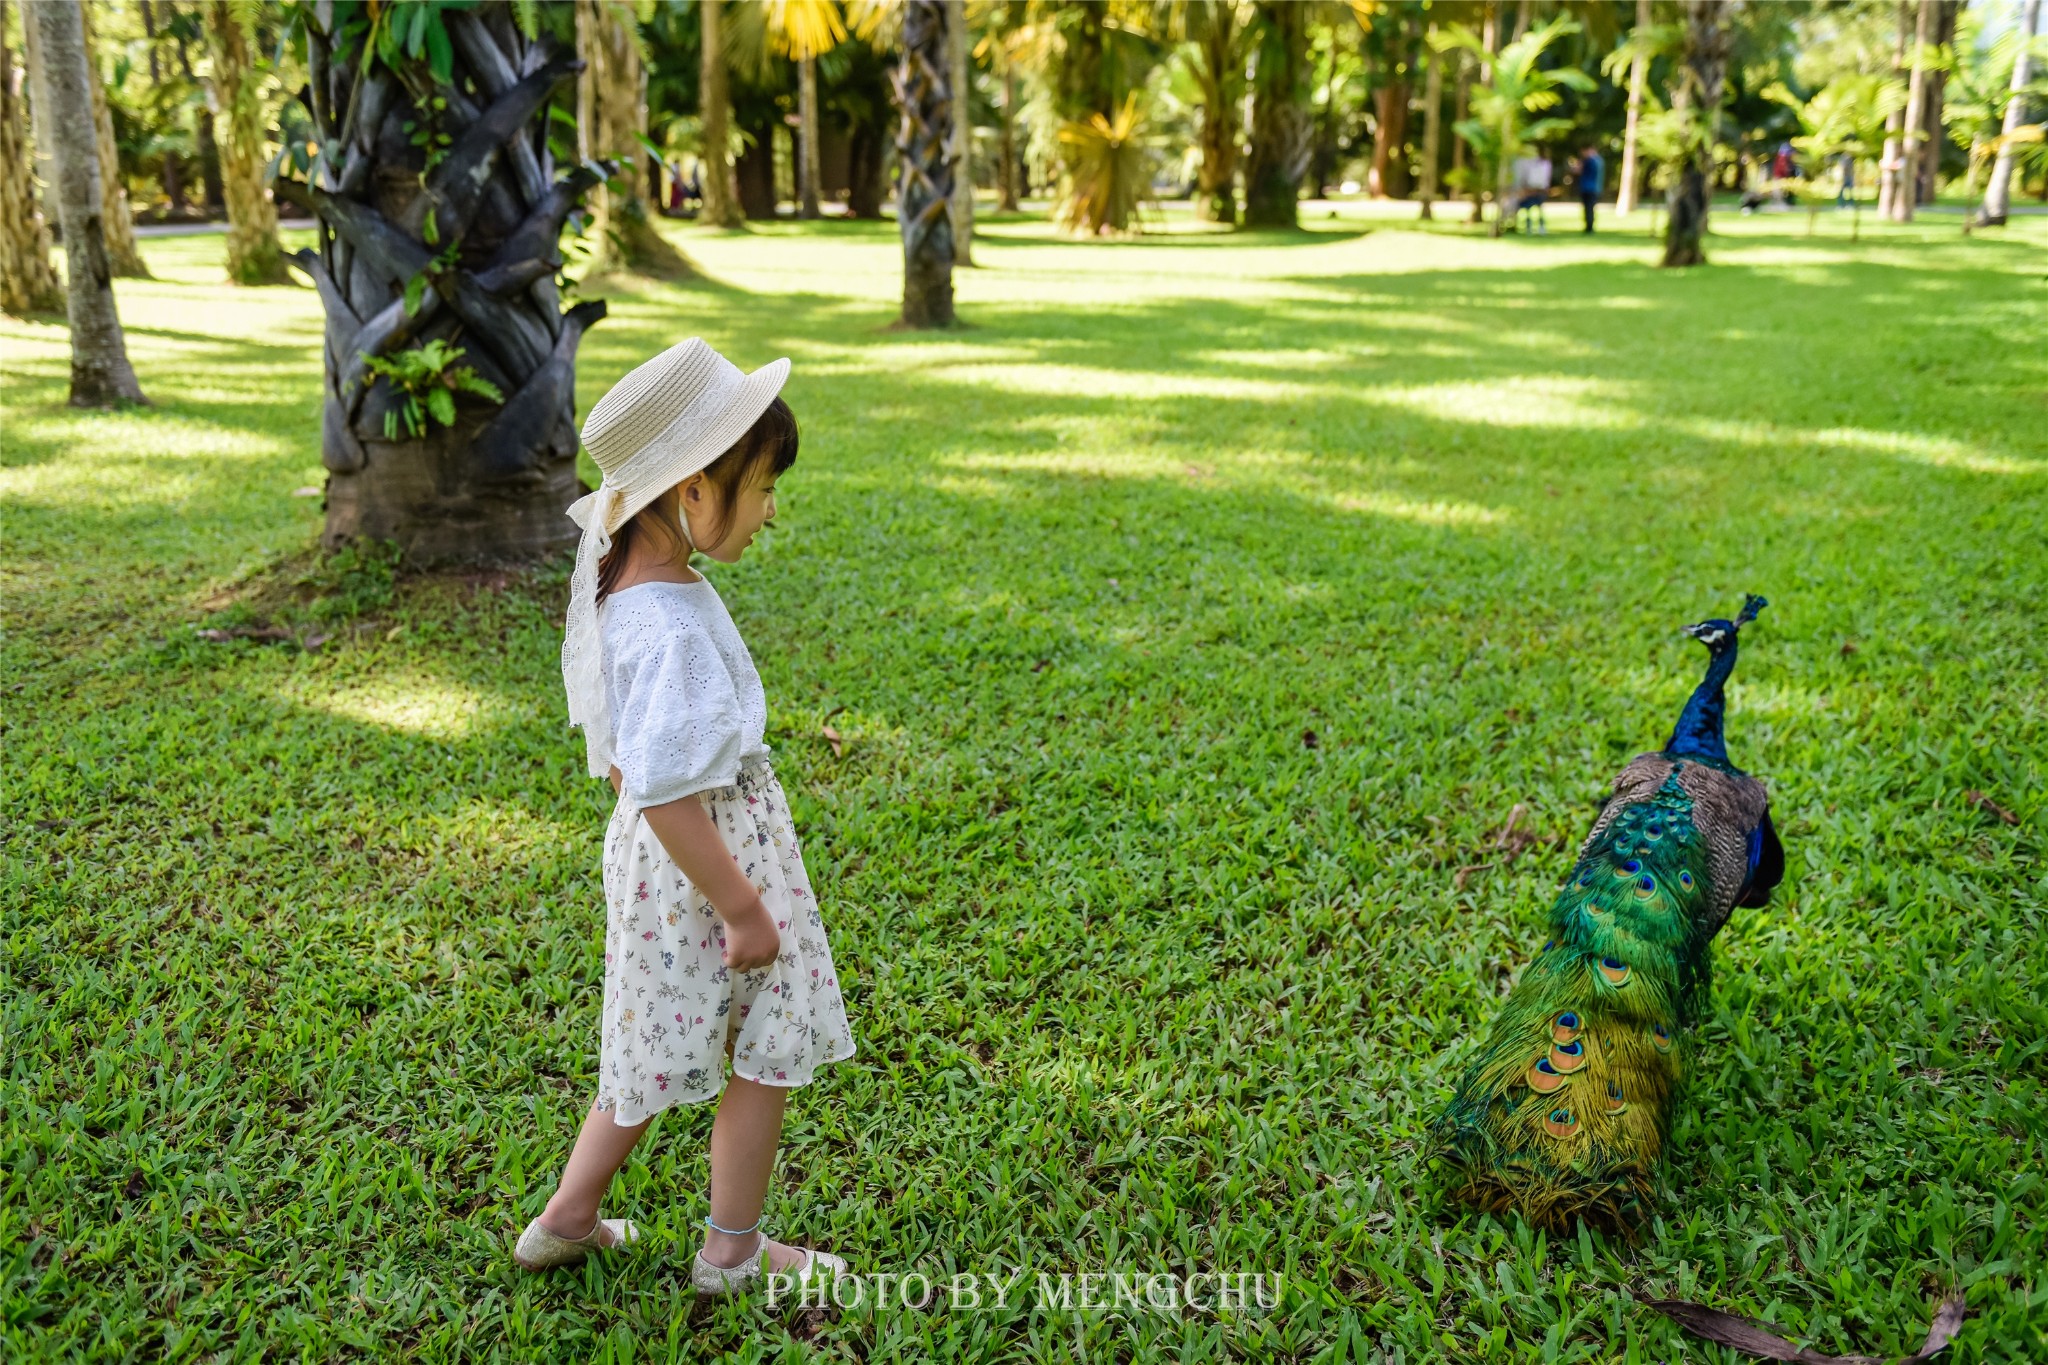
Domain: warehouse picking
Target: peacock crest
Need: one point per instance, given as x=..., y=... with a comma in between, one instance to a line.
x=1564, y=1112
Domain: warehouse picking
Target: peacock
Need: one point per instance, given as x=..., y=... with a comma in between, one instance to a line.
x=1564, y=1112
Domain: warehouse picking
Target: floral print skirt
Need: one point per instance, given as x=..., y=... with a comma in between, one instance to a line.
x=671, y=1004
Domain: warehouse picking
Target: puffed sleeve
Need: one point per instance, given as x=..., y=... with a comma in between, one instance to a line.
x=675, y=718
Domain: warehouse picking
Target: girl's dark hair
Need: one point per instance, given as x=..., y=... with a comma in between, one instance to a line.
x=769, y=445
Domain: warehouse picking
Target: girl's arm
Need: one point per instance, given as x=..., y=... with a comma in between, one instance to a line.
x=685, y=830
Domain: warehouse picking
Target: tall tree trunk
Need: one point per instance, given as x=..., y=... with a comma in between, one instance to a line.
x=808, y=164
x=214, y=198
x=1696, y=99
x=1219, y=76
x=611, y=118
x=1911, y=134
x=1638, y=78
x=1281, y=132
x=1932, y=106
x=714, y=105
x=28, y=282
x=1998, y=194
x=1890, y=170
x=1388, y=175
x=1489, y=40
x=1432, y=123
x=100, y=373
x=254, y=253
x=1006, y=181
x=958, y=76
x=488, y=479
x=115, y=214
x=924, y=142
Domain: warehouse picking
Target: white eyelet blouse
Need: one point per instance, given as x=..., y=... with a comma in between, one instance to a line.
x=687, y=707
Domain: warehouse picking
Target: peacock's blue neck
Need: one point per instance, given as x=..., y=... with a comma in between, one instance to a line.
x=1698, y=732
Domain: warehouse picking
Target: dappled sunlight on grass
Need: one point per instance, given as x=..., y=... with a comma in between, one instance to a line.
x=1186, y=623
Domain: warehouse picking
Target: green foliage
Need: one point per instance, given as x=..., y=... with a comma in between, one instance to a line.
x=300, y=952
x=428, y=378
x=1107, y=170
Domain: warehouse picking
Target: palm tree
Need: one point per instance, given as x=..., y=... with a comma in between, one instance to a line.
x=28, y=282
x=961, y=75
x=1638, y=77
x=254, y=254
x=1215, y=31
x=117, y=217
x=100, y=373
x=1499, y=129
x=1846, y=117
x=714, y=99
x=449, y=419
x=924, y=142
x=611, y=124
x=1432, y=122
x=801, y=30
x=1696, y=91
x=117, y=222
x=1281, y=138
x=1997, y=194
x=1912, y=132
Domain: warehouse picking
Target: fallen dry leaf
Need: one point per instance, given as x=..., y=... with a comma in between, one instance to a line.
x=309, y=491
x=1459, y=878
x=832, y=738
x=216, y=635
x=1990, y=807
x=1309, y=739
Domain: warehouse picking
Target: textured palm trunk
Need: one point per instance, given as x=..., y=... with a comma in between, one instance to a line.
x=611, y=118
x=1998, y=193
x=721, y=191
x=1933, y=105
x=1489, y=41
x=924, y=143
x=254, y=254
x=1216, y=180
x=1432, y=125
x=963, y=132
x=1696, y=98
x=1006, y=177
x=100, y=373
x=476, y=234
x=1911, y=133
x=1281, y=139
x=1638, y=78
x=28, y=282
x=1388, y=176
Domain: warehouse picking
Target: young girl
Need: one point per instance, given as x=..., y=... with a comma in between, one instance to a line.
x=714, y=948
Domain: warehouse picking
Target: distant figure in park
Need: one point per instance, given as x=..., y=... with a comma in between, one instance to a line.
x=1592, y=179
x=715, y=951
x=1847, y=192
x=1783, y=168
x=1532, y=183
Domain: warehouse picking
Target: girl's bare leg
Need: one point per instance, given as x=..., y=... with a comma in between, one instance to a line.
x=744, y=1137
x=601, y=1148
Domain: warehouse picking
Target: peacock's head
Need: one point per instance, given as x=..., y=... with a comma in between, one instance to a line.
x=1718, y=635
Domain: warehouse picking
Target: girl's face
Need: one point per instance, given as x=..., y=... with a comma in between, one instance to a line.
x=752, y=508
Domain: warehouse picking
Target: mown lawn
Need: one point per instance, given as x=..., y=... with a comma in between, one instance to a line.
x=1191, y=621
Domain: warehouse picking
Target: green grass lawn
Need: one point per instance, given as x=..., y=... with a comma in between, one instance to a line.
x=1192, y=619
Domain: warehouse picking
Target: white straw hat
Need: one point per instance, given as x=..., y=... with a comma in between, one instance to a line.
x=669, y=418
x=666, y=420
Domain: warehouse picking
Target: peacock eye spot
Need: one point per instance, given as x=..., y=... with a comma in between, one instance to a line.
x=1646, y=885
x=1631, y=867
x=1685, y=880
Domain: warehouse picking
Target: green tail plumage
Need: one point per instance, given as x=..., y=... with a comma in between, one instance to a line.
x=1564, y=1113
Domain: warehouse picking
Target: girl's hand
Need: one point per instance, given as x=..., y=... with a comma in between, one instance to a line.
x=751, y=938
x=617, y=778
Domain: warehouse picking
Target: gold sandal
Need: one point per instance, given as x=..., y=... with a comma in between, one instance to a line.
x=542, y=1248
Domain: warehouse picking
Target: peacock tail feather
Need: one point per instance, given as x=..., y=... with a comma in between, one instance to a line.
x=1564, y=1111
